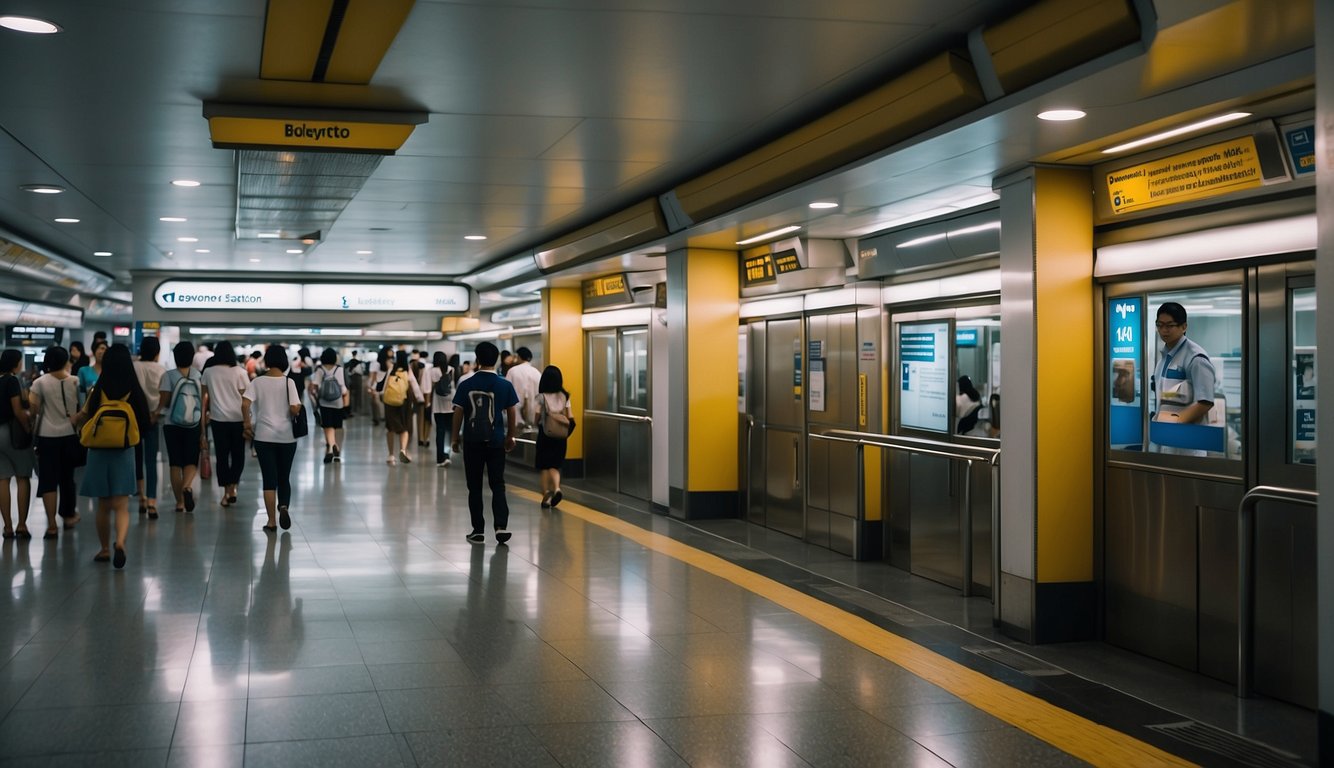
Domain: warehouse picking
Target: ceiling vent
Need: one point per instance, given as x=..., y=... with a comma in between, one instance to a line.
x=295, y=195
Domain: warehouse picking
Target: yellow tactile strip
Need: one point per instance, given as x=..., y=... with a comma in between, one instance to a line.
x=1062, y=729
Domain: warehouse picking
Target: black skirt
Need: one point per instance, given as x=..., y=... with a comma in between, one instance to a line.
x=550, y=452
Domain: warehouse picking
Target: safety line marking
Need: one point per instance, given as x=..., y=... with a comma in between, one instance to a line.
x=1071, y=733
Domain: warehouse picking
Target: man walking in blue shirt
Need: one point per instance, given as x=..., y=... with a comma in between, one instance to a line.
x=485, y=415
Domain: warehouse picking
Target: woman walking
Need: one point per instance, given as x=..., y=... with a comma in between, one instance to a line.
x=149, y=372
x=109, y=476
x=328, y=389
x=225, y=381
x=181, y=400
x=55, y=401
x=16, y=456
x=440, y=380
x=267, y=409
x=553, y=433
x=400, y=394
x=88, y=374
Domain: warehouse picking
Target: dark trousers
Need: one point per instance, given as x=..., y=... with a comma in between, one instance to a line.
x=488, y=457
x=57, y=458
x=275, y=466
x=229, y=448
x=444, y=425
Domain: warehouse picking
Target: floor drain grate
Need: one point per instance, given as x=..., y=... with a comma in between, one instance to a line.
x=881, y=607
x=1014, y=660
x=1230, y=745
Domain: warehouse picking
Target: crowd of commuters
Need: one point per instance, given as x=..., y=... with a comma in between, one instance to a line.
x=109, y=415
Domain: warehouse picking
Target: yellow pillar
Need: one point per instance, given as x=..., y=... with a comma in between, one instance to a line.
x=563, y=342
x=1047, y=592
x=702, y=322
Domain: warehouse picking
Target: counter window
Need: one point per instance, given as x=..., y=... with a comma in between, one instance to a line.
x=977, y=358
x=602, y=371
x=1302, y=404
x=634, y=369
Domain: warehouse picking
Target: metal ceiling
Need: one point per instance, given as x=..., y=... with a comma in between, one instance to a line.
x=545, y=115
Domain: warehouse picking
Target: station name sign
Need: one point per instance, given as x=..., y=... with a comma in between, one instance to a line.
x=352, y=297
x=232, y=132
x=608, y=291
x=758, y=270
x=1200, y=173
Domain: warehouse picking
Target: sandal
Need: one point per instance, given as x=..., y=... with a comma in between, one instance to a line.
x=189, y=496
x=270, y=528
x=51, y=533
x=284, y=519
x=22, y=534
x=102, y=557
x=8, y=534
x=231, y=499
x=70, y=522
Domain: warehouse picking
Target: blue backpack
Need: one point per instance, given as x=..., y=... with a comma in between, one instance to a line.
x=184, y=410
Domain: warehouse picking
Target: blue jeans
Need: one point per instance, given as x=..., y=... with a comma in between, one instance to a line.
x=444, y=425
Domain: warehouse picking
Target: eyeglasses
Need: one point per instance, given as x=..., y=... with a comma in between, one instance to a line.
x=1161, y=326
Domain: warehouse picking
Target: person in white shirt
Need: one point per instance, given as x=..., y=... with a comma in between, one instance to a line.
x=332, y=409
x=424, y=415
x=375, y=374
x=224, y=383
x=440, y=379
x=150, y=373
x=398, y=418
x=202, y=355
x=525, y=377
x=267, y=409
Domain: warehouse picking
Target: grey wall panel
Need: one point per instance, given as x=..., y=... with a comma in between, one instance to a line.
x=600, y=452
x=817, y=474
x=1285, y=603
x=842, y=534
x=981, y=503
x=1218, y=593
x=784, y=509
x=636, y=460
x=935, y=521
x=898, y=509
x=782, y=408
x=817, y=526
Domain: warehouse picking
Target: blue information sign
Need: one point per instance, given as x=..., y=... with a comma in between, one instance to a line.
x=965, y=337
x=917, y=347
x=1125, y=348
x=1301, y=147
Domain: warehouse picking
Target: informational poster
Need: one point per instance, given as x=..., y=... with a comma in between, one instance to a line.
x=924, y=363
x=1304, y=407
x=815, y=354
x=1125, y=345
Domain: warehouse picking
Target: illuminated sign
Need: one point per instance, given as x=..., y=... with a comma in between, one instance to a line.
x=924, y=376
x=1301, y=149
x=1200, y=173
x=786, y=262
x=1125, y=345
x=354, y=297
x=757, y=270
x=31, y=335
x=606, y=291
x=332, y=135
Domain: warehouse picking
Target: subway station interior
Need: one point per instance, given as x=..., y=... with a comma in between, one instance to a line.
x=794, y=261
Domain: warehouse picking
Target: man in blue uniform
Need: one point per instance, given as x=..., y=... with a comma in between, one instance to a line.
x=485, y=414
x=1184, y=379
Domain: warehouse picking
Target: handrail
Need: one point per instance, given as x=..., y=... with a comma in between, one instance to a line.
x=619, y=416
x=995, y=539
x=966, y=454
x=1246, y=573
x=750, y=437
x=525, y=440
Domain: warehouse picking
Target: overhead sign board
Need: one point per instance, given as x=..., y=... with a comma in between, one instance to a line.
x=356, y=297
x=1301, y=149
x=321, y=135
x=31, y=336
x=786, y=261
x=1200, y=173
x=758, y=270
x=608, y=291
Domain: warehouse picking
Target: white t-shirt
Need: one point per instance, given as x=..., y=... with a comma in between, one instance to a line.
x=440, y=404
x=60, y=400
x=372, y=374
x=270, y=413
x=200, y=358
x=150, y=373
x=525, y=379
x=225, y=385
x=317, y=378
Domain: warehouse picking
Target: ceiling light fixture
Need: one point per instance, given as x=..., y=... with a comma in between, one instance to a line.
x=66, y=220
x=294, y=250
x=28, y=24
x=1228, y=118
x=42, y=189
x=184, y=183
x=952, y=233
x=823, y=206
x=365, y=253
x=173, y=219
x=1061, y=115
x=187, y=239
x=268, y=234
x=254, y=261
x=101, y=253
x=767, y=235
x=202, y=250
x=474, y=237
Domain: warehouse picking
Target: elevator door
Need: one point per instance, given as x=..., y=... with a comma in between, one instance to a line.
x=782, y=427
x=617, y=430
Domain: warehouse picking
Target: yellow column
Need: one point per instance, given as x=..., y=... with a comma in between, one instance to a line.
x=702, y=322
x=563, y=342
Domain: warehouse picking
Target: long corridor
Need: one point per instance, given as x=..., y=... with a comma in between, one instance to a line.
x=373, y=633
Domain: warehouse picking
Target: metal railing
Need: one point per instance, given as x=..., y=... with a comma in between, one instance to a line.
x=620, y=416
x=921, y=446
x=1246, y=574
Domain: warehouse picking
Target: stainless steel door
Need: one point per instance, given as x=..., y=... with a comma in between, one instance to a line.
x=753, y=423
x=784, y=427
x=831, y=403
x=600, y=435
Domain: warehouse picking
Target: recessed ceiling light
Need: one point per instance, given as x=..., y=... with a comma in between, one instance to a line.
x=65, y=220
x=28, y=24
x=101, y=253
x=42, y=189
x=365, y=253
x=268, y=234
x=767, y=235
x=474, y=237
x=822, y=206
x=172, y=219
x=254, y=261
x=294, y=250
x=187, y=239
x=202, y=250
x=379, y=229
x=1061, y=115
x=1228, y=118
x=185, y=183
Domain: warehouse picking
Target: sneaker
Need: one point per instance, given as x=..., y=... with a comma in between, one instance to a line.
x=444, y=463
x=391, y=461
x=477, y=538
x=338, y=455
x=556, y=497
x=503, y=535
x=546, y=500
x=405, y=457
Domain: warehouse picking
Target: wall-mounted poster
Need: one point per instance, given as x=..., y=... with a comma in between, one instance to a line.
x=924, y=376
x=1304, y=406
x=1125, y=345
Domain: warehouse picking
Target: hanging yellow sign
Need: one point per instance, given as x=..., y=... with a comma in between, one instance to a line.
x=1200, y=173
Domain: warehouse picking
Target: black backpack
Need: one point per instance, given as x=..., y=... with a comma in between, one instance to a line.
x=445, y=386
x=479, y=426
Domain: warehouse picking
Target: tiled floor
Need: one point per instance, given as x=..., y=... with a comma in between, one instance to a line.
x=372, y=633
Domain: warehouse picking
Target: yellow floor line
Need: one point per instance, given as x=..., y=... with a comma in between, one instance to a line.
x=1062, y=729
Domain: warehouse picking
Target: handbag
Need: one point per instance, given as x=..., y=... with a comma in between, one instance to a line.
x=299, y=426
x=205, y=465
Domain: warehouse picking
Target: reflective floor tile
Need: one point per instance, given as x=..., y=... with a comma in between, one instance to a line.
x=726, y=740
x=354, y=752
x=229, y=756
x=938, y=719
x=105, y=685
x=329, y=716
x=504, y=746
x=606, y=744
x=137, y=758
x=436, y=709
x=292, y=653
x=309, y=681
x=208, y=683
x=389, y=677
x=85, y=729
x=1008, y=746
x=205, y=723
x=848, y=738
x=409, y=651
x=572, y=701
